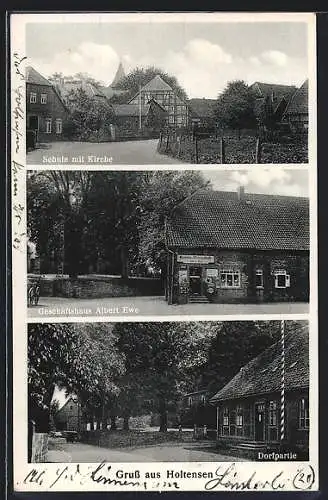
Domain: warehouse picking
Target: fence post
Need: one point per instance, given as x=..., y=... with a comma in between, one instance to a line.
x=167, y=142
x=196, y=148
x=159, y=142
x=258, y=150
x=179, y=145
x=222, y=150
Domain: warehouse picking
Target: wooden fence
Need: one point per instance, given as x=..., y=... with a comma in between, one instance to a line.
x=173, y=143
x=198, y=147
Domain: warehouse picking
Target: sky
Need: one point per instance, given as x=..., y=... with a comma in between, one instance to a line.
x=271, y=180
x=203, y=56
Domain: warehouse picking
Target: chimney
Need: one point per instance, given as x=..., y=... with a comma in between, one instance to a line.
x=241, y=193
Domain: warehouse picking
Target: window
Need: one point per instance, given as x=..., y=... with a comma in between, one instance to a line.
x=226, y=417
x=259, y=278
x=189, y=401
x=32, y=97
x=239, y=416
x=273, y=413
x=281, y=279
x=230, y=279
x=43, y=98
x=303, y=414
x=59, y=126
x=202, y=399
x=48, y=126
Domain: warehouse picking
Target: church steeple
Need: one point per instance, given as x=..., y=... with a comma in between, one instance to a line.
x=120, y=74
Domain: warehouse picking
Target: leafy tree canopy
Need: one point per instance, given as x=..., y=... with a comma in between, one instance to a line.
x=140, y=77
x=235, y=106
x=72, y=357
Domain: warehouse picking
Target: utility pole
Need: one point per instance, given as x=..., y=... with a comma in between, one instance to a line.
x=140, y=105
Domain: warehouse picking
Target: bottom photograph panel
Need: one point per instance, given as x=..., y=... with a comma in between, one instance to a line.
x=168, y=391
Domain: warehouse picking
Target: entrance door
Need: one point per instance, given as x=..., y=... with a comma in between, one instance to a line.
x=195, y=280
x=33, y=123
x=259, y=422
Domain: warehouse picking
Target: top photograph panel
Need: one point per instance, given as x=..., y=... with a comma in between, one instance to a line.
x=146, y=93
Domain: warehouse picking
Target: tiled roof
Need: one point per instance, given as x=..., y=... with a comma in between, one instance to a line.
x=299, y=101
x=202, y=107
x=157, y=83
x=218, y=219
x=32, y=76
x=133, y=109
x=279, y=91
x=130, y=109
x=263, y=374
x=67, y=86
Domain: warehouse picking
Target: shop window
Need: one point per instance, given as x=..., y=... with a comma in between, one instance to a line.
x=48, y=126
x=32, y=97
x=59, y=126
x=230, y=279
x=281, y=279
x=303, y=414
x=43, y=98
x=273, y=413
x=239, y=416
x=259, y=278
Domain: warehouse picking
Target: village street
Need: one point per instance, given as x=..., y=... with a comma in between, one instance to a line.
x=105, y=153
x=151, y=306
x=172, y=452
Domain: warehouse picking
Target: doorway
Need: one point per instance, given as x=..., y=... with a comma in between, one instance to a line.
x=33, y=123
x=259, y=421
x=195, y=280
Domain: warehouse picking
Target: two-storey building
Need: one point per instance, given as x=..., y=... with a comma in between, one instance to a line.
x=46, y=112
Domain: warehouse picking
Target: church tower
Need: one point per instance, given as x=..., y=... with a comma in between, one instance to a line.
x=120, y=74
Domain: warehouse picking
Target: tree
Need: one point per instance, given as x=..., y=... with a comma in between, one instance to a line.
x=235, y=106
x=161, y=193
x=164, y=358
x=82, y=359
x=90, y=116
x=139, y=77
x=236, y=343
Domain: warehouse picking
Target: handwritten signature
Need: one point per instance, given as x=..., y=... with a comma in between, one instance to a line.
x=228, y=478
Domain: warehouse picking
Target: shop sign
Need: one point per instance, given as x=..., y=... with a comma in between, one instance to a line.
x=196, y=259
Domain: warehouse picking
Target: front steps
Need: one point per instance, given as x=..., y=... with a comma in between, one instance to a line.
x=198, y=299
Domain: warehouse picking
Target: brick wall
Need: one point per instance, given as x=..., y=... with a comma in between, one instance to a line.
x=53, y=109
x=296, y=265
x=98, y=288
x=122, y=439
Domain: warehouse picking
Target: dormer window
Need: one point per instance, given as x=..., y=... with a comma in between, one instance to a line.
x=43, y=98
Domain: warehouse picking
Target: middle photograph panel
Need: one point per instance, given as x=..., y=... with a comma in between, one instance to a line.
x=167, y=242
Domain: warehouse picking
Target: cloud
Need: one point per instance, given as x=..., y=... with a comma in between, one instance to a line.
x=100, y=61
x=261, y=177
x=275, y=57
x=202, y=68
